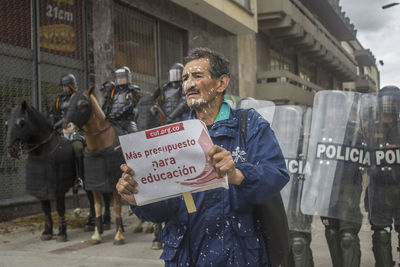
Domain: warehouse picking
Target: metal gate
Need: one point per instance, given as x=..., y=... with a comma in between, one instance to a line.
x=39, y=42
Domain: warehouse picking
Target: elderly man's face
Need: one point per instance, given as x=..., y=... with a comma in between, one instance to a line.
x=198, y=86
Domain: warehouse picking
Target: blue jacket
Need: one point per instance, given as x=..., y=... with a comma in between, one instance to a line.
x=222, y=231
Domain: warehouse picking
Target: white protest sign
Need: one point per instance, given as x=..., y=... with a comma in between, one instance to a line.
x=171, y=160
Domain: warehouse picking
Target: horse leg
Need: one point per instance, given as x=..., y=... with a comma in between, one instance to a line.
x=48, y=221
x=62, y=223
x=89, y=227
x=107, y=214
x=119, y=237
x=75, y=200
x=139, y=227
x=156, y=242
x=98, y=229
x=149, y=228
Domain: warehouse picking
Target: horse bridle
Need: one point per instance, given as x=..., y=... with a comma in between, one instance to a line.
x=98, y=132
x=37, y=145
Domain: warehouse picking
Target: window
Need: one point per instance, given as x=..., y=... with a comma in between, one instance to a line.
x=146, y=45
x=245, y=3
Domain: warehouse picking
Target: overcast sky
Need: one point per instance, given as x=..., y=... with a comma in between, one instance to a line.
x=378, y=30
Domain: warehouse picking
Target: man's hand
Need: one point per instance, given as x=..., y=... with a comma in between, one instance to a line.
x=223, y=163
x=126, y=185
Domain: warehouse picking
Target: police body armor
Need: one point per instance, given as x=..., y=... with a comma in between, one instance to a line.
x=60, y=108
x=332, y=189
x=122, y=111
x=291, y=125
x=173, y=103
x=382, y=131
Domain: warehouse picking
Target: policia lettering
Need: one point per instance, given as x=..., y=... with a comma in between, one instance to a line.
x=343, y=153
x=382, y=157
x=297, y=166
x=387, y=157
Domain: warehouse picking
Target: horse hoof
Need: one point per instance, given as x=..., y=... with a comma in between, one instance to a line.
x=61, y=238
x=95, y=241
x=106, y=226
x=77, y=212
x=119, y=242
x=156, y=245
x=89, y=228
x=45, y=237
x=149, y=230
x=138, y=229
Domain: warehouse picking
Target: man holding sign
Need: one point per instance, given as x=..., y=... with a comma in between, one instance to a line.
x=222, y=231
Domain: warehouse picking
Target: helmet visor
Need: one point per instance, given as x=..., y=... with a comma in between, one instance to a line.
x=175, y=75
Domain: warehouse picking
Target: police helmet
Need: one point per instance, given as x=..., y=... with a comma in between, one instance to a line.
x=123, y=72
x=175, y=73
x=68, y=79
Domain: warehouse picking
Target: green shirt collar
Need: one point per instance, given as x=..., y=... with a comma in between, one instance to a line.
x=224, y=112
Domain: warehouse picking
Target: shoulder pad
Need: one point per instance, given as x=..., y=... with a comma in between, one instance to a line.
x=134, y=87
x=77, y=137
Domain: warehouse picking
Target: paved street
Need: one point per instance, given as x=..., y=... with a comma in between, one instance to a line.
x=20, y=245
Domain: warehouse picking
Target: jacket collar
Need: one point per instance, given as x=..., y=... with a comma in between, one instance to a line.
x=224, y=124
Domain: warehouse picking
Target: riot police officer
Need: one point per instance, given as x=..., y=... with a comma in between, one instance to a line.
x=68, y=86
x=123, y=101
x=383, y=193
x=172, y=99
x=106, y=90
x=333, y=186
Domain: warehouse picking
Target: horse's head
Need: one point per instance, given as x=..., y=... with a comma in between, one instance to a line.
x=80, y=108
x=23, y=125
x=149, y=113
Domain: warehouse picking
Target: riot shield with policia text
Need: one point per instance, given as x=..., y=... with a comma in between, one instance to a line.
x=381, y=124
x=291, y=125
x=336, y=157
x=264, y=107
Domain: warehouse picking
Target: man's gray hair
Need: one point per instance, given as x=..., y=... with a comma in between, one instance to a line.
x=219, y=65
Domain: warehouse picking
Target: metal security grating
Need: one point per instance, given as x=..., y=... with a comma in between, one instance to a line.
x=146, y=45
x=39, y=42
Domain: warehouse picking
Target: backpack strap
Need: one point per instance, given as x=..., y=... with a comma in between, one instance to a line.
x=243, y=123
x=272, y=218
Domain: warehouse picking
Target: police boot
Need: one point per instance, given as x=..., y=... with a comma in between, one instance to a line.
x=332, y=238
x=300, y=252
x=48, y=227
x=62, y=230
x=382, y=248
x=350, y=248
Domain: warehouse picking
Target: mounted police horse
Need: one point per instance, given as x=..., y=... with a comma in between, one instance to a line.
x=150, y=115
x=50, y=167
x=101, y=160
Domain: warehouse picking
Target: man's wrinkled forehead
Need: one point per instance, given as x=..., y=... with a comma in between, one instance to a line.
x=196, y=65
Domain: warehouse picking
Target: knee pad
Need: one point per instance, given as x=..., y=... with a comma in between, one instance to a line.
x=331, y=233
x=299, y=244
x=348, y=239
x=382, y=236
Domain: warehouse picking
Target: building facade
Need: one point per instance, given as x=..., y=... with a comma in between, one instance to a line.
x=280, y=50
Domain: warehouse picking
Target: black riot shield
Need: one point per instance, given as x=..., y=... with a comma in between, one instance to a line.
x=291, y=125
x=381, y=127
x=264, y=107
x=333, y=186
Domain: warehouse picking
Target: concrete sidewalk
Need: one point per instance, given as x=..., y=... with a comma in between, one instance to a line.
x=20, y=245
